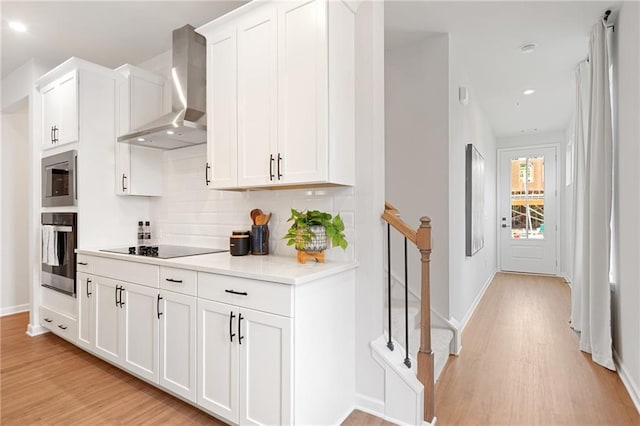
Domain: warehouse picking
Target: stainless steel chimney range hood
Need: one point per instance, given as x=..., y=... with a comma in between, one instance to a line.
x=185, y=125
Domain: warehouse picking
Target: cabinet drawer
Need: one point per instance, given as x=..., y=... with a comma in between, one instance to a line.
x=260, y=295
x=84, y=263
x=122, y=270
x=60, y=324
x=178, y=280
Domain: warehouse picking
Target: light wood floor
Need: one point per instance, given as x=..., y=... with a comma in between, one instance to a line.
x=520, y=364
x=46, y=380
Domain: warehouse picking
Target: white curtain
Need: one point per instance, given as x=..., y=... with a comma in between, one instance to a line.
x=593, y=201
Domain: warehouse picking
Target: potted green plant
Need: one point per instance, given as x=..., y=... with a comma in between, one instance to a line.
x=312, y=230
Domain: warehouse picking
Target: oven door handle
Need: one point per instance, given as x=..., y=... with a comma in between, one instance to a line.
x=63, y=229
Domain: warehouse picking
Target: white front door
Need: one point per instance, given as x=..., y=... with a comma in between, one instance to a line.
x=527, y=200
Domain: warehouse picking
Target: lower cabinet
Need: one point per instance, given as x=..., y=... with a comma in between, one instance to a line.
x=86, y=311
x=177, y=317
x=244, y=364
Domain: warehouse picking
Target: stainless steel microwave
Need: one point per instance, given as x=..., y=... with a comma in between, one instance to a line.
x=59, y=180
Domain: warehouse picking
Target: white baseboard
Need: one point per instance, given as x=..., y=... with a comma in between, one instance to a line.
x=369, y=405
x=36, y=330
x=476, y=302
x=9, y=310
x=632, y=387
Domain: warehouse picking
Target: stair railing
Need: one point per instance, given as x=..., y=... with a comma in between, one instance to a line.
x=421, y=238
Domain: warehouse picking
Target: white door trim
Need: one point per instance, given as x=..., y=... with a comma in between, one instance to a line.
x=559, y=196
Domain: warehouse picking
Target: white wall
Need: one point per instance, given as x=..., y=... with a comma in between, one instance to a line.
x=15, y=181
x=417, y=154
x=18, y=85
x=468, y=276
x=626, y=299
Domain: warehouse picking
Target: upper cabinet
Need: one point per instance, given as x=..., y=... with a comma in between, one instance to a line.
x=139, y=170
x=60, y=111
x=280, y=95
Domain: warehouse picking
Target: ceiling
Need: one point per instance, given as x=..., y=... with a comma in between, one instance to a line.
x=109, y=33
x=489, y=36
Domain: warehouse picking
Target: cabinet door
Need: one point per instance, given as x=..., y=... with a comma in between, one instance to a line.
x=302, y=91
x=265, y=368
x=139, y=331
x=107, y=318
x=178, y=344
x=218, y=359
x=85, y=299
x=222, y=130
x=67, y=104
x=49, y=115
x=257, y=97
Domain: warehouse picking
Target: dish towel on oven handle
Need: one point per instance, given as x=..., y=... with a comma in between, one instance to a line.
x=49, y=246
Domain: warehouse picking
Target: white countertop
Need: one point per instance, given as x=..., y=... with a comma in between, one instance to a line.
x=280, y=269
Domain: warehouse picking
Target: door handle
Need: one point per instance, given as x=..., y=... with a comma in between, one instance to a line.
x=279, y=163
x=158, y=305
x=51, y=136
x=124, y=188
x=240, y=336
x=116, y=294
x=88, y=292
x=231, y=333
x=121, y=291
x=271, y=160
x=206, y=174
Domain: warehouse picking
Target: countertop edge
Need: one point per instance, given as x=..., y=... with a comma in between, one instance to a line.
x=327, y=269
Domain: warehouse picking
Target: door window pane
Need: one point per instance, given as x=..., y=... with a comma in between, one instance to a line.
x=527, y=197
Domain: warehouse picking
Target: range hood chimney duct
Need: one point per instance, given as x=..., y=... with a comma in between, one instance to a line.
x=185, y=125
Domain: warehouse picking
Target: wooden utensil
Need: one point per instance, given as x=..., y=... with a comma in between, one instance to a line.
x=254, y=214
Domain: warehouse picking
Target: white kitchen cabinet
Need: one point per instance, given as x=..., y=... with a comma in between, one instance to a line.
x=244, y=363
x=139, y=330
x=177, y=317
x=222, y=167
x=139, y=170
x=107, y=318
x=60, y=111
x=86, y=311
x=218, y=372
x=295, y=93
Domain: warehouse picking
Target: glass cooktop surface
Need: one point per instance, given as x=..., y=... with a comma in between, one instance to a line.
x=164, y=251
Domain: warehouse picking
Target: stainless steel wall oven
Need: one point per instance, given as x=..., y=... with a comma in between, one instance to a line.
x=59, y=239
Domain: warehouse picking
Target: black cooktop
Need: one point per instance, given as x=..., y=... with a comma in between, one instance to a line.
x=164, y=251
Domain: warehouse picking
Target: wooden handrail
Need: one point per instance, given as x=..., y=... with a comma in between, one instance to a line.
x=422, y=239
x=392, y=217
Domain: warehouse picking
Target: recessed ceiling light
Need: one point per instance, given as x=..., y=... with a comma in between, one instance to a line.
x=528, y=92
x=18, y=27
x=528, y=47
x=140, y=139
x=170, y=132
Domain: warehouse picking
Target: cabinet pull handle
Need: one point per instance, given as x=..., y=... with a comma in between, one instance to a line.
x=158, y=306
x=83, y=263
x=207, y=181
x=231, y=333
x=279, y=163
x=51, y=135
x=121, y=291
x=240, y=336
x=124, y=188
x=63, y=327
x=48, y=320
x=88, y=292
x=241, y=293
x=171, y=280
x=55, y=134
x=117, y=290
x=271, y=160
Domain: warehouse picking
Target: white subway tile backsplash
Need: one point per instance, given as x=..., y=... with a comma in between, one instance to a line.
x=191, y=214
